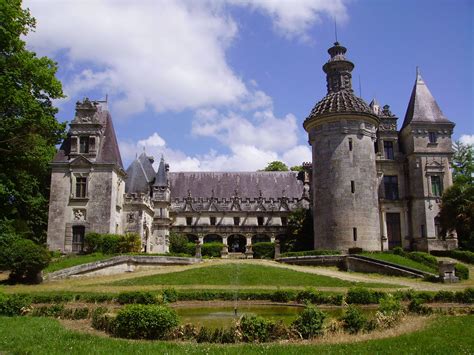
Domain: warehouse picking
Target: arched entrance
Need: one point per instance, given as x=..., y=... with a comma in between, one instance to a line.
x=236, y=243
x=192, y=238
x=260, y=238
x=212, y=238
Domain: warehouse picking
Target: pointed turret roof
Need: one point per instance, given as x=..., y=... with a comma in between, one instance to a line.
x=161, y=178
x=422, y=107
x=140, y=174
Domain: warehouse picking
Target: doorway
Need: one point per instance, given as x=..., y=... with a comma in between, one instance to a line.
x=393, y=230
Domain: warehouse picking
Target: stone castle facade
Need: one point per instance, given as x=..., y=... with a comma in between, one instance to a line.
x=369, y=185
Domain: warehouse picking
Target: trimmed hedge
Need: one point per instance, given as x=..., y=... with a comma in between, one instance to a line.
x=14, y=305
x=310, y=253
x=139, y=297
x=112, y=243
x=361, y=295
x=263, y=250
x=462, y=255
x=461, y=271
x=423, y=258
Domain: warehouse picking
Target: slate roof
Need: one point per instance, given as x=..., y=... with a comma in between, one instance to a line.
x=341, y=101
x=224, y=184
x=161, y=178
x=422, y=107
x=140, y=174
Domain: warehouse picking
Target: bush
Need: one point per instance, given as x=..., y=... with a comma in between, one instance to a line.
x=112, y=243
x=14, y=305
x=389, y=305
x=423, y=258
x=311, y=295
x=461, y=271
x=462, y=255
x=264, y=250
x=399, y=251
x=25, y=260
x=137, y=297
x=212, y=249
x=255, y=329
x=444, y=296
x=310, y=253
x=282, y=296
x=178, y=243
x=353, y=320
x=416, y=306
x=55, y=311
x=101, y=320
x=362, y=295
x=144, y=322
x=466, y=296
x=310, y=322
x=170, y=295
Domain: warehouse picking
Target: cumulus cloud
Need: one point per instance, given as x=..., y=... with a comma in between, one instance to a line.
x=467, y=139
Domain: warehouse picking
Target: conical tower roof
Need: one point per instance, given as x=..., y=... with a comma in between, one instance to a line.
x=422, y=107
x=140, y=174
x=161, y=177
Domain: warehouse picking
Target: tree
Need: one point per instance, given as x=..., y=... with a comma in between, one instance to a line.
x=298, y=168
x=28, y=128
x=463, y=163
x=276, y=166
x=300, y=231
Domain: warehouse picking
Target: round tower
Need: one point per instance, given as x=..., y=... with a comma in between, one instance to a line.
x=341, y=129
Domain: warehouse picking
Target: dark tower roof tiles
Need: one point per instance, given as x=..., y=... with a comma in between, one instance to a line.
x=140, y=174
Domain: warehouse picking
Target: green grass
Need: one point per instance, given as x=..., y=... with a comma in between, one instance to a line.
x=235, y=274
x=400, y=260
x=64, y=262
x=28, y=335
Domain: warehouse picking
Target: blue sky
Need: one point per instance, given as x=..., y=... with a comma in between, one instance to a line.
x=226, y=85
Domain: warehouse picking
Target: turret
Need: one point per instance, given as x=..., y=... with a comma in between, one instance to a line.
x=161, y=205
x=342, y=130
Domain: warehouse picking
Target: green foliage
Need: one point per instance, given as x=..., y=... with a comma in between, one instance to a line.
x=404, y=259
x=24, y=259
x=466, y=296
x=212, y=249
x=424, y=258
x=299, y=231
x=140, y=297
x=463, y=163
x=178, y=243
x=276, y=166
x=353, y=320
x=255, y=329
x=112, y=243
x=28, y=128
x=263, y=250
x=170, y=295
x=55, y=311
x=461, y=271
x=416, y=306
x=310, y=253
x=298, y=168
x=390, y=305
x=283, y=296
x=462, y=255
x=361, y=295
x=310, y=322
x=102, y=320
x=145, y=322
x=311, y=295
x=14, y=305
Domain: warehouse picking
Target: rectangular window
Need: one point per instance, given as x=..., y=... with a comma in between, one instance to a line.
x=354, y=234
x=189, y=221
x=438, y=228
x=432, y=137
x=284, y=221
x=388, y=150
x=350, y=144
x=260, y=221
x=436, y=185
x=390, y=183
x=81, y=185
x=422, y=230
x=376, y=147
x=84, y=145
x=353, y=188
x=213, y=221
x=78, y=233
x=236, y=221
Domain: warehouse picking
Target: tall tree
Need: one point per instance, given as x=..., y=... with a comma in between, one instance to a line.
x=29, y=130
x=276, y=166
x=463, y=163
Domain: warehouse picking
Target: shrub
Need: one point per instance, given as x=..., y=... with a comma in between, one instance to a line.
x=462, y=255
x=264, y=250
x=423, y=258
x=178, y=243
x=399, y=251
x=137, y=297
x=466, y=296
x=14, y=305
x=170, y=295
x=461, y=271
x=310, y=322
x=390, y=305
x=204, y=335
x=445, y=296
x=383, y=320
x=93, y=242
x=255, y=329
x=425, y=296
x=353, y=319
x=55, y=311
x=416, y=306
x=25, y=260
x=362, y=295
x=212, y=249
x=282, y=296
x=112, y=243
x=129, y=243
x=101, y=320
x=144, y=322
x=310, y=253
x=80, y=313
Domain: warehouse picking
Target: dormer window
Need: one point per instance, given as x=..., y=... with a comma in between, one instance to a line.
x=433, y=138
x=84, y=145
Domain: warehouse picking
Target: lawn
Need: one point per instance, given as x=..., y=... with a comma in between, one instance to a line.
x=64, y=262
x=400, y=260
x=444, y=335
x=235, y=274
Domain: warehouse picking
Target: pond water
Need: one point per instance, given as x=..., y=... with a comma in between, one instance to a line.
x=225, y=316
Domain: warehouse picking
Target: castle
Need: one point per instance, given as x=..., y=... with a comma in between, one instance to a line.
x=369, y=185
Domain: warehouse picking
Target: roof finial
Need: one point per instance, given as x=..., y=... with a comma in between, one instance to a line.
x=335, y=29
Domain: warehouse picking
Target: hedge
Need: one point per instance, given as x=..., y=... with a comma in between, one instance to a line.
x=310, y=253
x=112, y=243
x=461, y=271
x=264, y=250
x=462, y=255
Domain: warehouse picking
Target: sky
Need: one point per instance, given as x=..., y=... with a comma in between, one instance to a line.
x=225, y=85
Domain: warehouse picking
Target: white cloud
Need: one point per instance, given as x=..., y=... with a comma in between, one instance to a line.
x=467, y=139
x=153, y=141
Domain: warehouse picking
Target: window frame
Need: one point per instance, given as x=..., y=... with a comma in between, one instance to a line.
x=80, y=187
x=438, y=191
x=77, y=244
x=388, y=150
x=391, y=189
x=86, y=144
